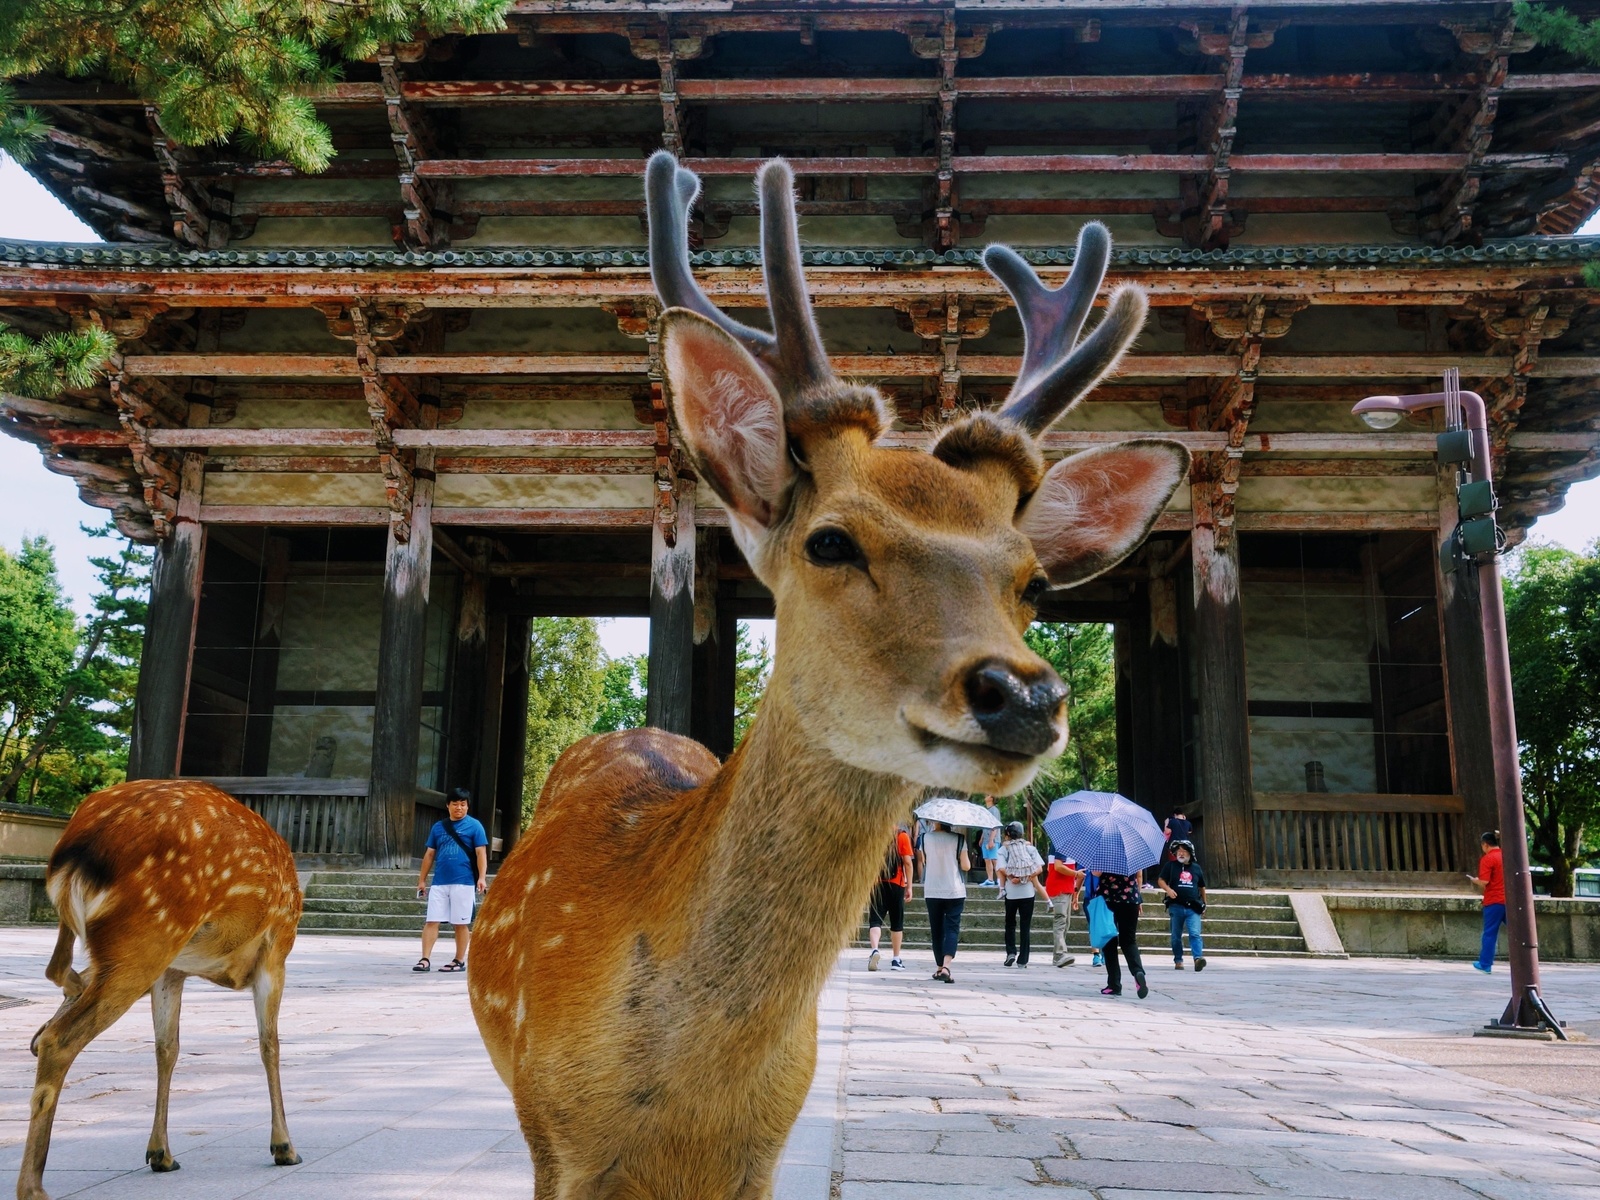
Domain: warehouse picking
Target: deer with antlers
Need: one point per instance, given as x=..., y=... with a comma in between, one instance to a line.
x=160, y=880
x=663, y=1048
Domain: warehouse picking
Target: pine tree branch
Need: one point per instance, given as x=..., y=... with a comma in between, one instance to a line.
x=43, y=368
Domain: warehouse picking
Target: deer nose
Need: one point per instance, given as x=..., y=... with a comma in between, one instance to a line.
x=1015, y=714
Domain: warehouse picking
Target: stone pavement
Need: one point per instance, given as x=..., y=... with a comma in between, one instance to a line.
x=1288, y=1079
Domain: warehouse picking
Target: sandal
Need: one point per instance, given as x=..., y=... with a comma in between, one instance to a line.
x=1110, y=991
x=423, y=964
x=454, y=965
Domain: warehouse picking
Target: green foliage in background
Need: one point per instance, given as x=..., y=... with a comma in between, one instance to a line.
x=216, y=68
x=566, y=688
x=623, y=686
x=1559, y=30
x=45, y=367
x=751, y=672
x=1553, y=625
x=66, y=688
x=1085, y=658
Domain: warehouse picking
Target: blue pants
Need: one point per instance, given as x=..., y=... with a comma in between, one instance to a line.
x=1185, y=920
x=1494, y=916
x=944, y=923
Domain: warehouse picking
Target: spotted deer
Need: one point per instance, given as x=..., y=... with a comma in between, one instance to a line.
x=160, y=880
x=647, y=965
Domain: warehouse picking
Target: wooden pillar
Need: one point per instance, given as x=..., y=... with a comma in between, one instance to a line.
x=155, y=750
x=513, y=747
x=669, y=701
x=1466, y=688
x=397, y=715
x=1227, y=806
x=1130, y=781
x=486, y=773
x=716, y=667
x=1162, y=682
x=470, y=664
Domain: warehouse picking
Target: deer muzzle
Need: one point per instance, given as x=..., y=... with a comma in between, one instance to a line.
x=1017, y=714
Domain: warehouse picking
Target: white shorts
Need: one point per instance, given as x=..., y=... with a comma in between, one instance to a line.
x=451, y=902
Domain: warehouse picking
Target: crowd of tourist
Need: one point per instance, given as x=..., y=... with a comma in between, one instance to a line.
x=939, y=857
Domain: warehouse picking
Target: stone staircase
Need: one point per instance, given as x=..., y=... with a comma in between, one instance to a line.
x=384, y=903
x=1252, y=923
x=363, y=902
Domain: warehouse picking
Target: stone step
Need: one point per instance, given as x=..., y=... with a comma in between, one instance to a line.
x=314, y=922
x=335, y=891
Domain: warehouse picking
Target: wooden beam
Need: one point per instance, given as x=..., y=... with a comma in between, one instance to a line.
x=1061, y=440
x=990, y=164
x=880, y=366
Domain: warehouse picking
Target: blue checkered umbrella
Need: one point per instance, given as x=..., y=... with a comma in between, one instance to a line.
x=1102, y=831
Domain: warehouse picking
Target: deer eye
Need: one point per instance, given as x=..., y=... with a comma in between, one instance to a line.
x=833, y=548
x=1034, y=592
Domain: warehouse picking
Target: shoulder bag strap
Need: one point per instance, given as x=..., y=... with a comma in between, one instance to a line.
x=472, y=859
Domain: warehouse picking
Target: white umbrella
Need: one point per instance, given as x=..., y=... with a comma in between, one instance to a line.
x=947, y=810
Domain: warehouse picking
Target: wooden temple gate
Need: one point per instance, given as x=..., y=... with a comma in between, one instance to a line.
x=377, y=420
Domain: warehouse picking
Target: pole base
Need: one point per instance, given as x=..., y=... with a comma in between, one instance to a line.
x=1522, y=1033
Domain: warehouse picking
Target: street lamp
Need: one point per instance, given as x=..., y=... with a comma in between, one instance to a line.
x=1465, y=444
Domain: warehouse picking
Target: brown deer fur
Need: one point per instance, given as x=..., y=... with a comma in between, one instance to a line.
x=160, y=880
x=646, y=967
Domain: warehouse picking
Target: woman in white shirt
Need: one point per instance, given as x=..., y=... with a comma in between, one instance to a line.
x=944, y=888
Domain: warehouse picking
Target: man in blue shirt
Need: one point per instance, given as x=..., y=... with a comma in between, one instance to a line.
x=459, y=850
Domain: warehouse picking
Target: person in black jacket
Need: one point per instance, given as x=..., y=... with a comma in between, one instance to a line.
x=1184, y=885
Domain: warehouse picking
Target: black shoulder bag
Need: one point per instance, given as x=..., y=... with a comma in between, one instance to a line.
x=472, y=859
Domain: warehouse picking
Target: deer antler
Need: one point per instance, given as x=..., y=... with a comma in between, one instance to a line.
x=792, y=354
x=1056, y=369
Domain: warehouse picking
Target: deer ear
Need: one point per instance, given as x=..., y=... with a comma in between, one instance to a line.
x=1093, y=509
x=731, y=419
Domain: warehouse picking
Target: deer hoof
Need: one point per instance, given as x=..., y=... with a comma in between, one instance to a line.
x=161, y=1160
x=283, y=1154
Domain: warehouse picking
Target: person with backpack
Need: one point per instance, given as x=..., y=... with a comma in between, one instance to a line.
x=1177, y=828
x=1061, y=881
x=1020, y=866
x=458, y=853
x=1184, y=885
x=889, y=898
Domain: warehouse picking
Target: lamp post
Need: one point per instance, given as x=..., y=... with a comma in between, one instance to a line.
x=1476, y=540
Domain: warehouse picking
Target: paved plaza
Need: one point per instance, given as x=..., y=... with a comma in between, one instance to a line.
x=1346, y=1080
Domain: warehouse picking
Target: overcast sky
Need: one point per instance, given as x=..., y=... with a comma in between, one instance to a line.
x=33, y=501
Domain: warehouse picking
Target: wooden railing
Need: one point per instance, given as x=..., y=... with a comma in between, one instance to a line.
x=430, y=808
x=1357, y=834
x=322, y=818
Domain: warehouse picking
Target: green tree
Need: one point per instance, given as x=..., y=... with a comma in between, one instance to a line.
x=1553, y=626
x=752, y=668
x=566, y=691
x=81, y=744
x=1085, y=658
x=216, y=68
x=38, y=634
x=68, y=690
x=623, y=686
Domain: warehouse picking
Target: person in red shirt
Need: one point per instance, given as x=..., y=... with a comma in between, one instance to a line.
x=889, y=901
x=1491, y=880
x=1061, y=880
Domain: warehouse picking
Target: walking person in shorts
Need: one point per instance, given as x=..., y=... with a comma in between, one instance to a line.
x=458, y=855
x=889, y=901
x=989, y=844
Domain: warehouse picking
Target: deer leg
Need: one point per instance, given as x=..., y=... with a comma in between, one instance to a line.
x=105, y=997
x=166, y=1000
x=59, y=971
x=268, y=990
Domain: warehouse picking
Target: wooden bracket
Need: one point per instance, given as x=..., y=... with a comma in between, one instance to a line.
x=200, y=215
x=423, y=201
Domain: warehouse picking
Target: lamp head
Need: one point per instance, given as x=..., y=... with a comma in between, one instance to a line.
x=1381, y=418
